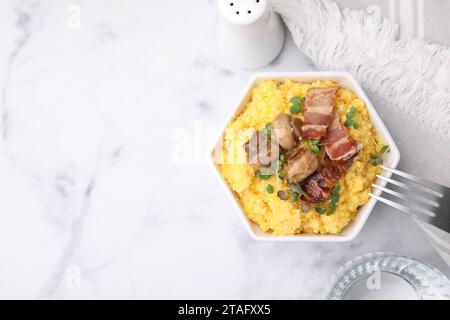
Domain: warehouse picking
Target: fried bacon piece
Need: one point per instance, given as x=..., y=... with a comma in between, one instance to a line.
x=320, y=184
x=318, y=112
x=338, y=143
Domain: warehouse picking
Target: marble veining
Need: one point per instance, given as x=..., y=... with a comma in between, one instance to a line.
x=92, y=203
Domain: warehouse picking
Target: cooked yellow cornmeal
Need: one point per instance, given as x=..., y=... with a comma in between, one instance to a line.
x=281, y=217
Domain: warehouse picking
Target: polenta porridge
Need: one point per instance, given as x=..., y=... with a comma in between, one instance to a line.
x=301, y=157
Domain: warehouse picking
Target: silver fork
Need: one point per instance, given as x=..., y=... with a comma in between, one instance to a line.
x=422, y=199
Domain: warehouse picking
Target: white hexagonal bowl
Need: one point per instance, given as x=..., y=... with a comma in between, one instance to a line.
x=344, y=79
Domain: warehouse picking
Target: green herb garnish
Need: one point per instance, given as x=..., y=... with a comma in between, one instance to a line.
x=296, y=107
x=334, y=199
x=336, y=190
x=385, y=149
x=350, y=121
x=320, y=210
x=315, y=148
x=282, y=195
x=269, y=189
x=267, y=131
x=305, y=208
x=375, y=160
x=263, y=176
x=331, y=209
x=294, y=197
x=275, y=168
x=295, y=187
x=277, y=165
x=295, y=100
x=352, y=112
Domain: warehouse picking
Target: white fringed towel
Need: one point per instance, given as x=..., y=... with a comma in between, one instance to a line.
x=408, y=81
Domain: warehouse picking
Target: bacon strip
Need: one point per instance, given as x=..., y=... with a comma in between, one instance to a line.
x=318, y=112
x=320, y=184
x=338, y=143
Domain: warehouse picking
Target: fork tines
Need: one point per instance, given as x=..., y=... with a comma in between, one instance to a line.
x=424, y=200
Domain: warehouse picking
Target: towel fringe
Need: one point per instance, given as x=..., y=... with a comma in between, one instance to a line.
x=410, y=75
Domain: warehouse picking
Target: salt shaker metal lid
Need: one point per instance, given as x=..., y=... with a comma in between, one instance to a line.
x=251, y=34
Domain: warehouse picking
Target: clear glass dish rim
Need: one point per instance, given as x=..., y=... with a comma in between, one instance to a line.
x=375, y=256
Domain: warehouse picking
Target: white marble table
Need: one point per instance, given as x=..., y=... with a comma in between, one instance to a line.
x=92, y=203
